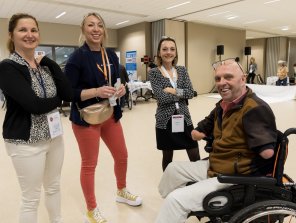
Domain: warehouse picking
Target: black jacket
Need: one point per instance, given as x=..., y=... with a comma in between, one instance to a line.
x=81, y=69
x=21, y=100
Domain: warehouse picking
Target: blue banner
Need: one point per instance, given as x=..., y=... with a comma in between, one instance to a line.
x=131, y=64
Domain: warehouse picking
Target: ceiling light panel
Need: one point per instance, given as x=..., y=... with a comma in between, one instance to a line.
x=178, y=5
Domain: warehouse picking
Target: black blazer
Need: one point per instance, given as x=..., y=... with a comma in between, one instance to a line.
x=82, y=71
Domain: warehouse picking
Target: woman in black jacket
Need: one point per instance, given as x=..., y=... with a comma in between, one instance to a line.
x=33, y=89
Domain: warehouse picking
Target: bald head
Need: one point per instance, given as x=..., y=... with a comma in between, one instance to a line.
x=230, y=80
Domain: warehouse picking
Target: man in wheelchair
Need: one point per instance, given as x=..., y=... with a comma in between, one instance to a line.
x=243, y=150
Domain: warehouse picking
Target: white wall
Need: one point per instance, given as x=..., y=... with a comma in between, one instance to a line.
x=53, y=34
x=202, y=41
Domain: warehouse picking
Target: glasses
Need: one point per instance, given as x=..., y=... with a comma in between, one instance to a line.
x=228, y=61
x=167, y=38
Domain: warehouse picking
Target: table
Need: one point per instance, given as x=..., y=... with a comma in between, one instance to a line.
x=272, y=93
x=138, y=85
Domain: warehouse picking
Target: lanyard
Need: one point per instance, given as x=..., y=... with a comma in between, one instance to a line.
x=40, y=80
x=173, y=82
x=103, y=52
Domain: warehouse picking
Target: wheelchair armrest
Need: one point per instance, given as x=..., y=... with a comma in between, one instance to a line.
x=247, y=180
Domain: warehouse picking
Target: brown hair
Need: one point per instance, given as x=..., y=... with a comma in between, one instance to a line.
x=13, y=23
x=159, y=60
x=99, y=17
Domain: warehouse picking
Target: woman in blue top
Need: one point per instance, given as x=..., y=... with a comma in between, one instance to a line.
x=93, y=72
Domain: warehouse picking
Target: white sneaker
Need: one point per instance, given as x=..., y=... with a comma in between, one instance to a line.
x=124, y=196
x=94, y=216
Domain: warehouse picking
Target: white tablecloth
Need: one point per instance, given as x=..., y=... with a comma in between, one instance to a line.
x=137, y=85
x=272, y=94
x=271, y=80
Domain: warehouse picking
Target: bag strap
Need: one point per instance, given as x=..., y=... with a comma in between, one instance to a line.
x=108, y=63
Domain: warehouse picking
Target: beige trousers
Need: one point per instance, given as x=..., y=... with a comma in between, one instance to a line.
x=38, y=165
x=180, y=199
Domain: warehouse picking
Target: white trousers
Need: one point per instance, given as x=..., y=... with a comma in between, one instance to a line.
x=180, y=199
x=36, y=165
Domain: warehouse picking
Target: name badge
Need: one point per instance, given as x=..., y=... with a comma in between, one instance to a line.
x=178, y=123
x=55, y=125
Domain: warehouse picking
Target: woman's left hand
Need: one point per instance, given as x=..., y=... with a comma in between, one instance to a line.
x=121, y=91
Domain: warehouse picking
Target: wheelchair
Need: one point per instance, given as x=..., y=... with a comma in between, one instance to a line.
x=254, y=199
x=127, y=99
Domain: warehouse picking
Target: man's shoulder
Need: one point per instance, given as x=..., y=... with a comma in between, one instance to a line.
x=253, y=99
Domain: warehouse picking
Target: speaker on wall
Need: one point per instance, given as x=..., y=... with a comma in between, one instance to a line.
x=247, y=50
x=220, y=50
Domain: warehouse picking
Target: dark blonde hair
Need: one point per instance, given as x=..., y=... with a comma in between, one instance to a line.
x=13, y=23
x=99, y=17
x=159, y=60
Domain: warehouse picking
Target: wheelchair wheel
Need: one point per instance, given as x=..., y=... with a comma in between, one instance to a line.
x=130, y=101
x=271, y=211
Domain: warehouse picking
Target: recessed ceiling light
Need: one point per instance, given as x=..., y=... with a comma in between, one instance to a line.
x=122, y=22
x=285, y=28
x=232, y=17
x=254, y=21
x=219, y=13
x=273, y=1
x=60, y=15
x=174, y=6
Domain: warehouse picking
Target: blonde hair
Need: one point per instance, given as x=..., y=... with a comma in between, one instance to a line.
x=97, y=15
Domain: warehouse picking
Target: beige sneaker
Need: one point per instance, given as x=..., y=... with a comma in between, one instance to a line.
x=94, y=216
x=124, y=196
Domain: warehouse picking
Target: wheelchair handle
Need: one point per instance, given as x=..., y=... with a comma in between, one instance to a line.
x=290, y=131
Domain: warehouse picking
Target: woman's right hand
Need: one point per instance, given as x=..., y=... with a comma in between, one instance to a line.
x=100, y=92
x=105, y=91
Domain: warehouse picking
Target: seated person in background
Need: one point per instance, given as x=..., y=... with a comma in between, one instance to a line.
x=244, y=131
x=282, y=73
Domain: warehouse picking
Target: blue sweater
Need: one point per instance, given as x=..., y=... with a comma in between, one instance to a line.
x=82, y=71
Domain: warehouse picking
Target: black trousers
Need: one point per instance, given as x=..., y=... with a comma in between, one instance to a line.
x=282, y=82
x=250, y=78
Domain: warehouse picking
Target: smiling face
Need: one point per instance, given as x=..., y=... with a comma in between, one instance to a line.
x=167, y=52
x=93, y=29
x=230, y=81
x=25, y=35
